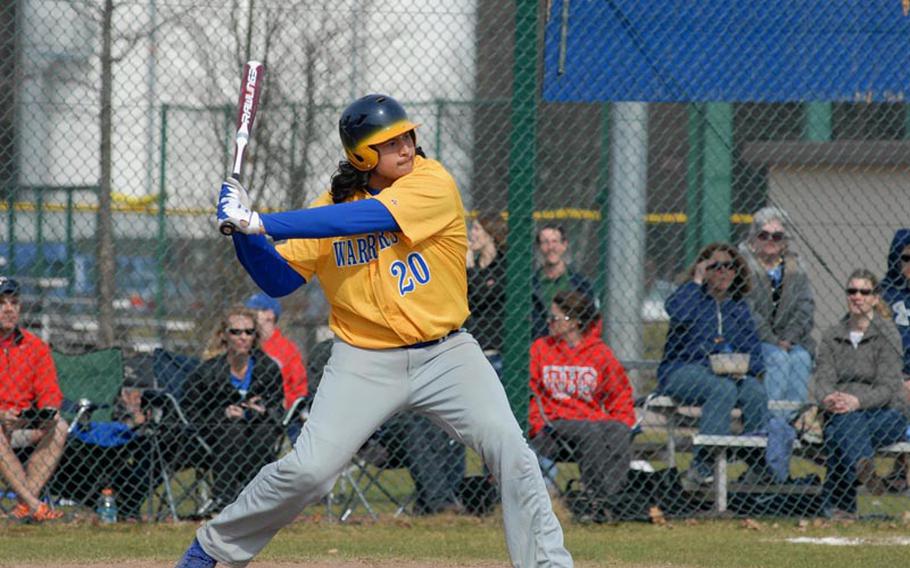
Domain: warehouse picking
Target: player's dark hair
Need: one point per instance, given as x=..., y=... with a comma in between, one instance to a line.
x=348, y=180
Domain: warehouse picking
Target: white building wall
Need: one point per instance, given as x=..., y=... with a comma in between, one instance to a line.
x=848, y=216
x=415, y=50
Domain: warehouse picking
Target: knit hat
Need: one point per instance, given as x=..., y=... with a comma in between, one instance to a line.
x=263, y=301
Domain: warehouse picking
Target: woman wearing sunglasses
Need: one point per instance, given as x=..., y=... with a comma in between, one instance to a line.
x=709, y=316
x=235, y=399
x=582, y=400
x=858, y=386
x=782, y=304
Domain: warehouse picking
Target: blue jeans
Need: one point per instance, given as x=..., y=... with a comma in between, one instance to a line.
x=849, y=438
x=718, y=396
x=786, y=375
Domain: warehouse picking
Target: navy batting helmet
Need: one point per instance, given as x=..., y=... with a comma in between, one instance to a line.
x=371, y=120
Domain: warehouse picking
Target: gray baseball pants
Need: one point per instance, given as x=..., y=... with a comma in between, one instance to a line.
x=452, y=383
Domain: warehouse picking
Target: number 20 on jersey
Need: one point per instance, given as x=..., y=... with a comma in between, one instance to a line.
x=410, y=274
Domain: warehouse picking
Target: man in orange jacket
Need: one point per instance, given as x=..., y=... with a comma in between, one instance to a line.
x=29, y=400
x=281, y=349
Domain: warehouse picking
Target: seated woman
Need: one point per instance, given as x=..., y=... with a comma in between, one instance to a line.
x=487, y=284
x=235, y=400
x=783, y=307
x=858, y=384
x=582, y=396
x=709, y=315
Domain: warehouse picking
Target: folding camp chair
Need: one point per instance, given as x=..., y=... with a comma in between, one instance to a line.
x=411, y=464
x=366, y=474
x=176, y=443
x=90, y=383
x=176, y=446
x=362, y=475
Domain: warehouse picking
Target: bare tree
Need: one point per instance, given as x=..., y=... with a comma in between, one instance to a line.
x=108, y=57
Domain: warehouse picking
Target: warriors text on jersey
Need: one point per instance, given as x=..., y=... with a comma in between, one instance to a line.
x=395, y=289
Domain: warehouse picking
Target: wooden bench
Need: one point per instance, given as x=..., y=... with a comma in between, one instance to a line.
x=669, y=409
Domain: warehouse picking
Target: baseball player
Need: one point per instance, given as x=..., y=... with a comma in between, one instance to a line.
x=388, y=243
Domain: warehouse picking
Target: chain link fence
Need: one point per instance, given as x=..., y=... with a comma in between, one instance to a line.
x=682, y=195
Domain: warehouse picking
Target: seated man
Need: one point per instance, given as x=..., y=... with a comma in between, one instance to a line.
x=280, y=348
x=29, y=399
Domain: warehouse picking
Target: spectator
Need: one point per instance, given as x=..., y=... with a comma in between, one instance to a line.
x=782, y=305
x=896, y=295
x=554, y=275
x=582, y=397
x=28, y=384
x=114, y=454
x=858, y=386
x=282, y=350
x=487, y=284
x=435, y=461
x=709, y=315
x=235, y=399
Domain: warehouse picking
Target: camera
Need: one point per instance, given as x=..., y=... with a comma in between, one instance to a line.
x=153, y=398
x=37, y=417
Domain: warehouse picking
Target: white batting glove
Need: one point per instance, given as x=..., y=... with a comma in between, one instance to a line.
x=234, y=209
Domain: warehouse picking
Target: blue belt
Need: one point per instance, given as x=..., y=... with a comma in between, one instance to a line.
x=434, y=341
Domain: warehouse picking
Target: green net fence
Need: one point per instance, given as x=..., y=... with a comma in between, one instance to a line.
x=603, y=148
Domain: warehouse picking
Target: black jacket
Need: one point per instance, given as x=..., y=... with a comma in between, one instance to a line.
x=209, y=391
x=487, y=302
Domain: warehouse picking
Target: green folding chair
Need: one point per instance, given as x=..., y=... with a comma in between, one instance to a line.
x=94, y=377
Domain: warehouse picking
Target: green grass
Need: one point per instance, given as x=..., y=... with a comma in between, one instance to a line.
x=464, y=540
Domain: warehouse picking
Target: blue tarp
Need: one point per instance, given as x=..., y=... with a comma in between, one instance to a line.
x=727, y=50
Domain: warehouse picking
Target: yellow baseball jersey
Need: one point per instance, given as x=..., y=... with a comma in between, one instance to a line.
x=394, y=289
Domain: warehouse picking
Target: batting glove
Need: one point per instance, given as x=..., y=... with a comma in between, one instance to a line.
x=234, y=208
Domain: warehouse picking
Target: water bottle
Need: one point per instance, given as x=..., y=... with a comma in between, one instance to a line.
x=107, y=507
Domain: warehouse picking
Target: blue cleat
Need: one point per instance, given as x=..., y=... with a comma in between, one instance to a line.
x=196, y=557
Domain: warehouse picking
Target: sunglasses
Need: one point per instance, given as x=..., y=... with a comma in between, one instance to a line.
x=725, y=265
x=776, y=236
x=863, y=291
x=239, y=331
x=558, y=318
x=905, y=257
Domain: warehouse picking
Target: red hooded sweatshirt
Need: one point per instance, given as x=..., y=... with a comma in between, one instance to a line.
x=585, y=382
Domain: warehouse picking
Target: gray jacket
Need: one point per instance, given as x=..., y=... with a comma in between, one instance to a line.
x=871, y=372
x=796, y=311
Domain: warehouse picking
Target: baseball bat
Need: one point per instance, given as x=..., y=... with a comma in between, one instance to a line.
x=250, y=88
